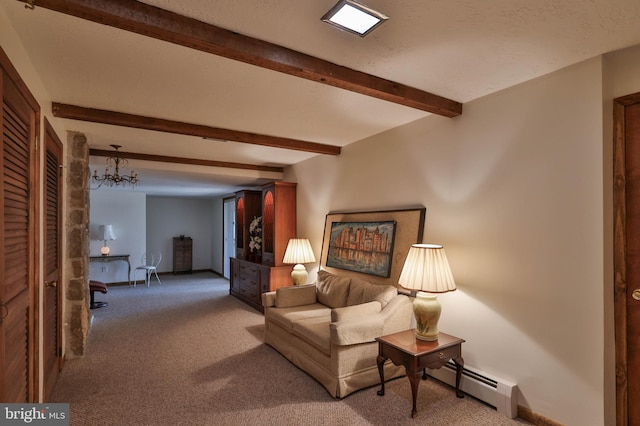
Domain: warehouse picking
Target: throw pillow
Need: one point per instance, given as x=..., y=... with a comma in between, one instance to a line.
x=333, y=290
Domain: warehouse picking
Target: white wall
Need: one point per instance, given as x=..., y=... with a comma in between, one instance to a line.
x=169, y=217
x=126, y=211
x=514, y=191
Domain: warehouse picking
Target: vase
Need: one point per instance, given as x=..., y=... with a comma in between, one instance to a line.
x=426, y=309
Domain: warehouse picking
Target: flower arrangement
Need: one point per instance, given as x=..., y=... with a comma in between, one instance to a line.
x=255, y=235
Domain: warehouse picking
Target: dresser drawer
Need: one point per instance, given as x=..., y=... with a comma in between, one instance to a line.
x=249, y=288
x=249, y=271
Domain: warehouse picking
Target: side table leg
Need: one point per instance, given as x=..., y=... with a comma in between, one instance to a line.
x=414, y=378
x=459, y=362
x=381, y=361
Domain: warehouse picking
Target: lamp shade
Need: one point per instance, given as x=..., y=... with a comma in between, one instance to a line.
x=427, y=269
x=298, y=251
x=105, y=233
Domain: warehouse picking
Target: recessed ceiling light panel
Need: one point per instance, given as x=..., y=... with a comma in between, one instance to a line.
x=354, y=17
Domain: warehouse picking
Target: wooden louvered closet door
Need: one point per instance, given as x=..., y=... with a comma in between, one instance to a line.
x=17, y=244
x=52, y=254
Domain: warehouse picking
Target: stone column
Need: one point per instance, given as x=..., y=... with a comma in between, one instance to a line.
x=77, y=313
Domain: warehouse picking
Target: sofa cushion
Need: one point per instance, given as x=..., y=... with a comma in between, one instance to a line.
x=332, y=290
x=361, y=291
x=316, y=332
x=287, y=316
x=357, y=330
x=339, y=314
x=295, y=296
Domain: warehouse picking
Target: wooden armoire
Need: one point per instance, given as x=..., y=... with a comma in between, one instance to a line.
x=252, y=275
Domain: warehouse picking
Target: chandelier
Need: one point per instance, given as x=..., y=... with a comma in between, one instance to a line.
x=116, y=178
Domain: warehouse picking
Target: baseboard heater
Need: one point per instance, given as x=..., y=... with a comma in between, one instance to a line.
x=495, y=392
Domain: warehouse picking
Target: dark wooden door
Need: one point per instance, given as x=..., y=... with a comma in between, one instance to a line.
x=627, y=258
x=632, y=126
x=17, y=239
x=52, y=259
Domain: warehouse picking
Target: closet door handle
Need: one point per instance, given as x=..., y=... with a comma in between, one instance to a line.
x=636, y=294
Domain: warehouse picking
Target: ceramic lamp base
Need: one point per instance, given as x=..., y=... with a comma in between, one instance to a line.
x=105, y=251
x=426, y=309
x=299, y=274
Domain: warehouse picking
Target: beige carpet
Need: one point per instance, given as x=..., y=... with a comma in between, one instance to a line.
x=187, y=353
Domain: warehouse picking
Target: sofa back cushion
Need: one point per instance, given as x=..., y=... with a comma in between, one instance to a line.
x=295, y=296
x=361, y=291
x=332, y=290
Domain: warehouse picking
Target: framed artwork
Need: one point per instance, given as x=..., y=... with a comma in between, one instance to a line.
x=374, y=243
x=362, y=247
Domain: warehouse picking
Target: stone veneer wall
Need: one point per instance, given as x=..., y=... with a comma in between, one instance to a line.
x=77, y=313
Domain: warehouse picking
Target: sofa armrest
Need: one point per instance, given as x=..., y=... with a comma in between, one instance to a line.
x=269, y=299
x=356, y=330
x=340, y=314
x=287, y=297
x=397, y=315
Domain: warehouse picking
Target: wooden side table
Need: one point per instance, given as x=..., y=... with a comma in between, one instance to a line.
x=415, y=355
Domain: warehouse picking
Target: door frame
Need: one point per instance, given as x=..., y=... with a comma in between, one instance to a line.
x=228, y=224
x=620, y=253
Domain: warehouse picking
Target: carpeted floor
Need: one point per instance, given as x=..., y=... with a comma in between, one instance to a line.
x=187, y=353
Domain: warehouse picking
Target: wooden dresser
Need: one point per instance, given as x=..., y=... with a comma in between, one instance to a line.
x=182, y=254
x=249, y=280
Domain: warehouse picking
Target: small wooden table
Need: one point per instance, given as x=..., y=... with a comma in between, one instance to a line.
x=415, y=355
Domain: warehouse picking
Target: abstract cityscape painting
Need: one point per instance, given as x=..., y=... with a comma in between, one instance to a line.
x=365, y=247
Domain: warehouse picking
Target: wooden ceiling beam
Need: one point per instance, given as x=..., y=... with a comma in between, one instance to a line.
x=165, y=25
x=182, y=160
x=94, y=115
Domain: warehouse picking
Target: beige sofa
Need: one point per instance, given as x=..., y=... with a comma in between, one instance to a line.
x=328, y=329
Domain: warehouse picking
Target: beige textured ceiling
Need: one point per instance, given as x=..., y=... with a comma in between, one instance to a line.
x=461, y=50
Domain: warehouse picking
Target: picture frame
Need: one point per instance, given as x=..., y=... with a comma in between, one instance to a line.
x=365, y=247
x=409, y=228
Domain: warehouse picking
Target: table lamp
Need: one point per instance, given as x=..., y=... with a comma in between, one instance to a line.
x=427, y=270
x=105, y=233
x=298, y=251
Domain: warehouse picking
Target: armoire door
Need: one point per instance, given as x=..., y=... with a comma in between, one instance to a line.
x=18, y=189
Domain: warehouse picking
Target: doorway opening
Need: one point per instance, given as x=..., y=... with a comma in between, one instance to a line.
x=229, y=244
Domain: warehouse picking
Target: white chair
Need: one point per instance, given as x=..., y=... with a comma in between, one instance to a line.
x=149, y=264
